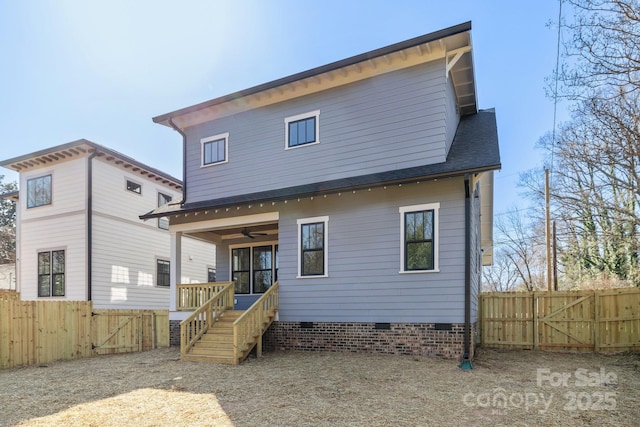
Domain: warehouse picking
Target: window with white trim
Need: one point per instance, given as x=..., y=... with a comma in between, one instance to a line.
x=215, y=149
x=303, y=129
x=313, y=238
x=51, y=273
x=419, y=238
x=39, y=191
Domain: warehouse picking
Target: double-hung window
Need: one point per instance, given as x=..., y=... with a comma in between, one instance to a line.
x=39, y=191
x=313, y=236
x=215, y=149
x=302, y=129
x=163, y=272
x=419, y=237
x=51, y=273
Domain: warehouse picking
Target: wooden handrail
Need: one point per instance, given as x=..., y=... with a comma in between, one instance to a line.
x=193, y=295
x=251, y=324
x=193, y=327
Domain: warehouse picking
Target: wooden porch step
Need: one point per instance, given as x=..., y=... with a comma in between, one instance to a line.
x=203, y=358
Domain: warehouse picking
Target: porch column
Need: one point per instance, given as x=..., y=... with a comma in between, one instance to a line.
x=175, y=268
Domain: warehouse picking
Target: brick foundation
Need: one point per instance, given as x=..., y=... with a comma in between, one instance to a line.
x=174, y=332
x=418, y=339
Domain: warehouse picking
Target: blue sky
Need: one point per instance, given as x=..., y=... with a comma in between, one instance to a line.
x=101, y=70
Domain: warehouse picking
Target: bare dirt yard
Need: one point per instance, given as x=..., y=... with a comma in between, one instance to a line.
x=155, y=388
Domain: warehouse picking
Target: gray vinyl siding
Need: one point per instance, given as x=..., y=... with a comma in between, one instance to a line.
x=392, y=121
x=364, y=283
x=453, y=117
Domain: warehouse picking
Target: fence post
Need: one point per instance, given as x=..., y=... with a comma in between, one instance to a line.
x=596, y=321
x=536, y=335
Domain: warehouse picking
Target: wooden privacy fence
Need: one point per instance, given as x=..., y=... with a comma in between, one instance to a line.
x=33, y=332
x=600, y=320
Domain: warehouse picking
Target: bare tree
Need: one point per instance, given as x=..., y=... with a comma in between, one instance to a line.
x=519, y=261
x=603, y=49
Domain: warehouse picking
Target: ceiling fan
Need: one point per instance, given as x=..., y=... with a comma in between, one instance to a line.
x=246, y=232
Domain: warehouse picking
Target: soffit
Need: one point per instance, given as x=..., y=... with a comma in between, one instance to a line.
x=84, y=148
x=454, y=46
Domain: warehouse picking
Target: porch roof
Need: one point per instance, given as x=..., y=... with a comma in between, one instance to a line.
x=474, y=149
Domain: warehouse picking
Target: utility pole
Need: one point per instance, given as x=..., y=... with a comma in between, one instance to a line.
x=555, y=256
x=548, y=229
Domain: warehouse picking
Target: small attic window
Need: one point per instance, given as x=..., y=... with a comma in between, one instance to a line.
x=134, y=187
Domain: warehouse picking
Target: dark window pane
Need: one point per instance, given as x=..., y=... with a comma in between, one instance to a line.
x=134, y=187
x=419, y=244
x=262, y=268
x=44, y=263
x=241, y=259
x=262, y=258
x=58, y=285
x=241, y=279
x=313, y=263
x=262, y=280
x=302, y=131
x=58, y=261
x=211, y=275
x=163, y=275
x=293, y=134
x=312, y=236
x=39, y=191
x=420, y=256
x=44, y=283
x=311, y=129
x=214, y=151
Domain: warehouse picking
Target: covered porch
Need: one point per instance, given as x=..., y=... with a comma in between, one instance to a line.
x=224, y=319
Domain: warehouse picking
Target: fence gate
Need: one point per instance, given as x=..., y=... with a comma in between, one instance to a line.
x=116, y=331
x=565, y=321
x=600, y=320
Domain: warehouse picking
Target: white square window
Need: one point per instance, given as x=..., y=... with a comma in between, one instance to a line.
x=419, y=238
x=303, y=129
x=214, y=149
x=313, y=239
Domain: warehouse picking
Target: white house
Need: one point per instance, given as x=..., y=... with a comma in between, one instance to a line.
x=78, y=232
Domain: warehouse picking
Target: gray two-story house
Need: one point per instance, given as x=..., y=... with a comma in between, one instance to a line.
x=363, y=188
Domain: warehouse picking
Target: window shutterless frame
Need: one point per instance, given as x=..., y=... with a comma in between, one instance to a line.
x=134, y=187
x=51, y=273
x=39, y=191
x=214, y=150
x=419, y=238
x=302, y=130
x=313, y=239
x=163, y=275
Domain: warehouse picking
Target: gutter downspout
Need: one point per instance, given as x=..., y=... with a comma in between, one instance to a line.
x=466, y=364
x=184, y=159
x=90, y=223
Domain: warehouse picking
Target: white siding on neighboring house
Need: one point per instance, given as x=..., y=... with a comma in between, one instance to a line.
x=126, y=249
x=60, y=225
